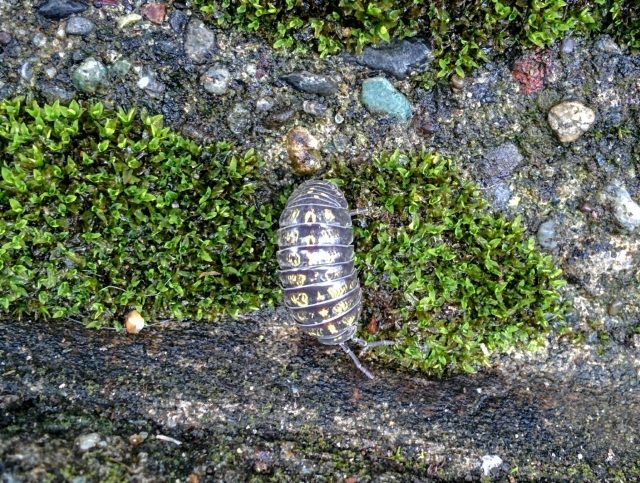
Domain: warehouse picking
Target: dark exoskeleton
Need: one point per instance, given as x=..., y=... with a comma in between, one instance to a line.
x=316, y=258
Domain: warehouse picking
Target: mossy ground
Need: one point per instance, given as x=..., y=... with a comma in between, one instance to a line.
x=460, y=32
x=104, y=212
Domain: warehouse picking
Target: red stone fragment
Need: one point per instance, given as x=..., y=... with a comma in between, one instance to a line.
x=530, y=71
x=154, y=12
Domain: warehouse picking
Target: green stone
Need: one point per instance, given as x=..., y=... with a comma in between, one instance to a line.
x=379, y=96
x=89, y=75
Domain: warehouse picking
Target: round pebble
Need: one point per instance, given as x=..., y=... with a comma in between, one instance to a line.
x=216, y=80
x=85, y=442
x=547, y=235
x=89, y=75
x=79, y=26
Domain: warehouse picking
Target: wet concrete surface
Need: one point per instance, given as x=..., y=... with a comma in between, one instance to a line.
x=253, y=398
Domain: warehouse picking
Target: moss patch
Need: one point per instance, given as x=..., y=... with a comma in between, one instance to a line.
x=458, y=31
x=460, y=281
x=102, y=212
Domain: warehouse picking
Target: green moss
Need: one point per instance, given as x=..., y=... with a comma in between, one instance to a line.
x=102, y=212
x=105, y=212
x=459, y=282
x=458, y=31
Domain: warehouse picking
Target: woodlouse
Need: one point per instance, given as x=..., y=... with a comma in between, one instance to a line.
x=316, y=257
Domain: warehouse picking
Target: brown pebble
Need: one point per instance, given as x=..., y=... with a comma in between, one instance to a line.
x=136, y=440
x=372, y=326
x=304, y=151
x=133, y=322
x=154, y=12
x=457, y=82
x=615, y=308
x=193, y=478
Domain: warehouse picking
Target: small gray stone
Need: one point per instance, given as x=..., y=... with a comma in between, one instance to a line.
x=501, y=161
x=79, y=26
x=39, y=40
x=398, y=58
x=59, y=9
x=278, y=118
x=379, y=96
x=151, y=85
x=52, y=93
x=199, y=41
x=178, y=20
x=625, y=210
x=607, y=44
x=568, y=45
x=311, y=83
x=547, y=235
x=239, y=119
x=570, y=120
x=216, y=80
x=316, y=109
x=264, y=104
x=89, y=75
x=26, y=69
x=490, y=463
x=85, y=442
x=119, y=68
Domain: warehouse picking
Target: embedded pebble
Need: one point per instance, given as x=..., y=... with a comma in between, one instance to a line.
x=199, y=42
x=570, y=120
x=490, y=463
x=127, y=20
x=501, y=161
x=304, y=151
x=216, y=80
x=59, y=9
x=625, y=209
x=177, y=21
x=264, y=104
x=314, y=108
x=239, y=119
x=615, y=308
x=119, y=68
x=547, y=235
x=89, y=75
x=397, y=58
x=5, y=38
x=278, y=118
x=39, y=40
x=457, y=82
x=379, y=96
x=150, y=84
x=52, y=93
x=85, y=442
x=311, y=83
x=154, y=12
x=79, y=26
x=568, y=45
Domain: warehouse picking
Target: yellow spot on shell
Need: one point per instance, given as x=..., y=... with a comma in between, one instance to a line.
x=320, y=296
x=310, y=216
x=294, y=215
x=324, y=313
x=337, y=290
x=296, y=279
x=300, y=299
x=329, y=215
x=293, y=259
x=340, y=307
x=332, y=328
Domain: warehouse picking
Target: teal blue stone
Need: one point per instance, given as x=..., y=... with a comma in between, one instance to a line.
x=379, y=96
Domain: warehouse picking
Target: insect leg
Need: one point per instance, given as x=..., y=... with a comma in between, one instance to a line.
x=356, y=361
x=370, y=345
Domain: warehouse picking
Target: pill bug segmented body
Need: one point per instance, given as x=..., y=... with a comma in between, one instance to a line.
x=316, y=258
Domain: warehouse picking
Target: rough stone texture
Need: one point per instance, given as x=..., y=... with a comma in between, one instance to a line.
x=59, y=9
x=216, y=80
x=625, y=210
x=253, y=397
x=398, y=58
x=79, y=26
x=570, y=120
x=311, y=83
x=379, y=96
x=88, y=76
x=199, y=41
x=304, y=151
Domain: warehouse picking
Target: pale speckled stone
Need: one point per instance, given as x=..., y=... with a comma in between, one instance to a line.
x=570, y=120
